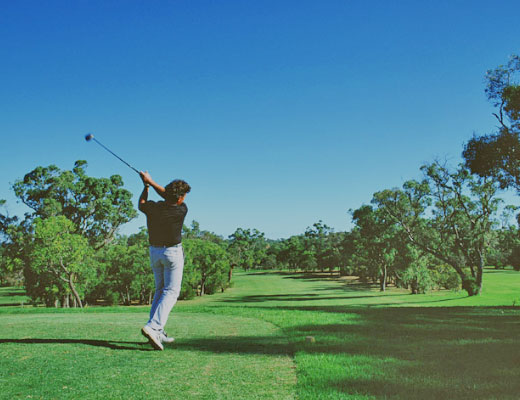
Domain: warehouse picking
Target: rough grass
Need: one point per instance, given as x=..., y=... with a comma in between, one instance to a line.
x=250, y=343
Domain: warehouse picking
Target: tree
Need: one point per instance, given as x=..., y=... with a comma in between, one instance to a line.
x=9, y=268
x=449, y=215
x=497, y=154
x=206, y=268
x=247, y=248
x=96, y=206
x=291, y=252
x=318, y=243
x=127, y=275
x=321, y=244
x=61, y=262
x=413, y=269
x=376, y=244
x=194, y=232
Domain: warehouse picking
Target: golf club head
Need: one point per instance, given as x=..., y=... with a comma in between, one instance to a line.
x=89, y=137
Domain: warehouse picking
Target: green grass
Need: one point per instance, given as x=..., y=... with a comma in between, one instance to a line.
x=13, y=296
x=250, y=343
x=103, y=355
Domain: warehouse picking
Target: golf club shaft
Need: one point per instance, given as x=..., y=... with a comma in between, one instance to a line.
x=114, y=154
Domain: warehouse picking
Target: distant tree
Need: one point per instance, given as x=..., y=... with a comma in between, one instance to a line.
x=273, y=248
x=347, y=252
x=194, y=232
x=375, y=247
x=61, y=262
x=497, y=154
x=10, y=268
x=291, y=252
x=321, y=245
x=247, y=248
x=449, y=215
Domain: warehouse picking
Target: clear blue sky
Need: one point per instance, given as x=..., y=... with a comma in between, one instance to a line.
x=278, y=113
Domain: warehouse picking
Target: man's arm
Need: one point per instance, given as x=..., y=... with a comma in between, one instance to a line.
x=147, y=180
x=143, y=198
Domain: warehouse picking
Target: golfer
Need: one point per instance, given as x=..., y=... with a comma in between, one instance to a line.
x=164, y=220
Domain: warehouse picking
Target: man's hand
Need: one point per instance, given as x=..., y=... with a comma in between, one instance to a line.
x=146, y=177
x=148, y=181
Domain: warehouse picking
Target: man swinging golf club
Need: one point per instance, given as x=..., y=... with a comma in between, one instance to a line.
x=164, y=220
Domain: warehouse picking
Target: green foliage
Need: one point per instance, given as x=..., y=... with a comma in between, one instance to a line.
x=247, y=248
x=96, y=206
x=127, y=275
x=10, y=268
x=318, y=249
x=470, y=285
x=194, y=232
x=206, y=268
x=322, y=244
x=445, y=277
x=375, y=249
x=449, y=215
x=60, y=262
x=417, y=277
x=496, y=155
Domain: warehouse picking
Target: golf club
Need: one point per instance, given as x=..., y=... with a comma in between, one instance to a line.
x=90, y=137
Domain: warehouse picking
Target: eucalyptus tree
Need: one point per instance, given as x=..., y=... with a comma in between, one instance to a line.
x=449, y=215
x=206, y=268
x=321, y=243
x=61, y=263
x=292, y=252
x=376, y=246
x=96, y=206
x=247, y=248
x=125, y=268
x=497, y=154
x=8, y=268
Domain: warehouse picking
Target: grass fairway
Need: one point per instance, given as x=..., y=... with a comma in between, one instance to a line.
x=11, y=296
x=103, y=356
x=250, y=343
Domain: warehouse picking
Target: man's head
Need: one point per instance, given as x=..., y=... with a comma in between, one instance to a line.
x=176, y=191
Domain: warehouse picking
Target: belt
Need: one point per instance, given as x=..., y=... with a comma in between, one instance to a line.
x=166, y=245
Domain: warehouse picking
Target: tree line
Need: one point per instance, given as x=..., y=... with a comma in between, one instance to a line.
x=436, y=232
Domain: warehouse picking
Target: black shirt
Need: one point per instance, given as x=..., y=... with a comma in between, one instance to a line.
x=164, y=222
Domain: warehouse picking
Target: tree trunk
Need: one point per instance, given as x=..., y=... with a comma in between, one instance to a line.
x=230, y=273
x=74, y=291
x=202, y=283
x=480, y=272
x=383, y=280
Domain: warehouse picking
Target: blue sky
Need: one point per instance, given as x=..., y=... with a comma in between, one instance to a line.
x=278, y=113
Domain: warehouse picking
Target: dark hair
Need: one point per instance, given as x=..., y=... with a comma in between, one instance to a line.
x=176, y=189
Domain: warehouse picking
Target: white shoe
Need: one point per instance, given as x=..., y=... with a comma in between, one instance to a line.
x=153, y=336
x=165, y=338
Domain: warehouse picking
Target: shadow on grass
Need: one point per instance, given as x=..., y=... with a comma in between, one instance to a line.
x=269, y=345
x=114, y=345
x=299, y=297
x=318, y=276
x=423, y=353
